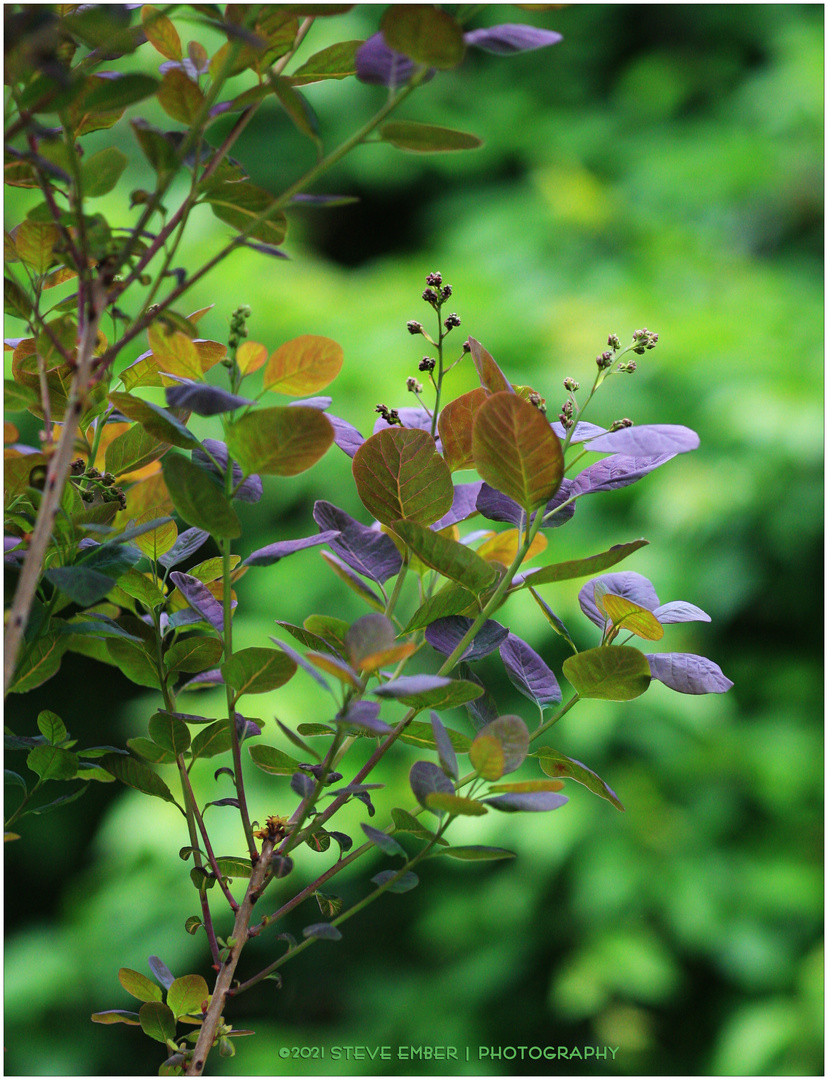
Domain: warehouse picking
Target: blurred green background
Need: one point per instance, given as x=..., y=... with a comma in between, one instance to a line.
x=660, y=167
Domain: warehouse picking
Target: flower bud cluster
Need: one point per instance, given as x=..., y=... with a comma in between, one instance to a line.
x=645, y=339
x=571, y=385
x=100, y=486
x=616, y=425
x=628, y=367
x=413, y=386
x=452, y=321
x=428, y=363
x=414, y=327
x=390, y=416
x=604, y=360
x=565, y=415
x=536, y=400
x=614, y=342
x=238, y=325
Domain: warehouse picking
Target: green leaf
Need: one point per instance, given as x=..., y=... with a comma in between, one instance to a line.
x=157, y=1021
x=296, y=106
x=139, y=986
x=399, y=474
x=193, y=654
x=81, y=584
x=159, y=422
x=15, y=300
x=426, y=138
x=280, y=441
x=329, y=631
x=512, y=735
x=405, y=883
x=134, y=661
x=215, y=739
x=13, y=779
x=407, y=823
x=452, y=693
x=40, y=663
x=34, y=242
x=305, y=365
x=240, y=204
x=199, y=500
x=257, y=670
x=615, y=673
x=180, y=97
x=232, y=867
x=451, y=600
x=187, y=994
x=516, y=451
x=455, y=804
x=101, y=172
x=558, y=765
x=450, y=558
x=594, y=564
x=384, y=842
x=110, y=94
x=136, y=775
x=169, y=732
x=476, y=853
x=140, y=587
x=132, y=450
x=273, y=761
x=419, y=733
x=336, y=62
x=192, y=924
x=329, y=905
x=156, y=146
x=51, y=727
x=425, y=33
x=353, y=581
x=150, y=751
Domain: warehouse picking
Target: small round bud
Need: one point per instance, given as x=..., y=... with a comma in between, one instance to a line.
x=466, y=346
x=427, y=364
x=614, y=341
x=452, y=320
x=414, y=327
x=445, y=292
x=430, y=296
x=413, y=386
x=571, y=385
x=604, y=360
x=435, y=279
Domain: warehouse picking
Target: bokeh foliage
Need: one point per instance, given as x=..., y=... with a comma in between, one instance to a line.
x=662, y=166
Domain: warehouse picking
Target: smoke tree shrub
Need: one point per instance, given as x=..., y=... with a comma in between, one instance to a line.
x=120, y=493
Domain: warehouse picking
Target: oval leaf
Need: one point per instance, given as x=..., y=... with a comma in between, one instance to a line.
x=616, y=673
x=448, y=557
x=435, y=691
x=534, y=801
x=198, y=499
x=688, y=673
x=304, y=365
x=516, y=451
x=426, y=138
x=426, y=778
x=187, y=994
x=280, y=441
x=271, y=760
x=512, y=735
x=135, y=774
x=169, y=733
x=257, y=670
x=441, y=801
x=555, y=764
x=157, y=1021
x=529, y=673
x=425, y=33
x=399, y=474
x=139, y=986
x=629, y=616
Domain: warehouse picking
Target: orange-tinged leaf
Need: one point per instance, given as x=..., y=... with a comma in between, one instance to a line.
x=455, y=425
x=488, y=372
x=139, y=986
x=486, y=755
x=250, y=356
x=338, y=668
x=504, y=546
x=10, y=432
x=180, y=97
x=148, y=493
x=158, y=541
x=174, y=353
x=34, y=242
x=209, y=352
x=161, y=33
x=626, y=615
x=304, y=365
x=516, y=450
x=387, y=656
x=280, y=441
x=399, y=474
x=529, y=785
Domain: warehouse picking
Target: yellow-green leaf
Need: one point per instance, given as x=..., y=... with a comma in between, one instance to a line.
x=280, y=441
x=304, y=365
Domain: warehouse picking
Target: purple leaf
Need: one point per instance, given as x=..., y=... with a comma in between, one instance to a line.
x=266, y=556
x=365, y=550
x=445, y=751
x=616, y=472
x=514, y=801
x=510, y=38
x=302, y=785
x=563, y=493
x=213, y=677
x=204, y=400
x=687, y=673
x=481, y=710
x=408, y=685
x=246, y=729
x=263, y=249
x=322, y=930
x=412, y=416
x=187, y=544
x=426, y=778
x=582, y=431
x=380, y=66
x=528, y=672
x=200, y=599
x=346, y=436
x=365, y=714
x=445, y=635
x=249, y=491
x=321, y=403
x=646, y=440
x=306, y=665
x=463, y=505
x=680, y=611
x=626, y=583
x=495, y=506
x=357, y=584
